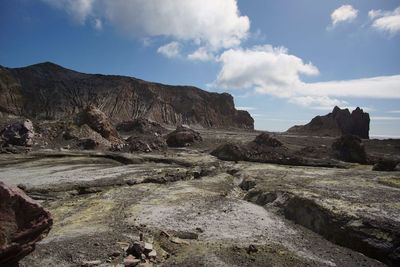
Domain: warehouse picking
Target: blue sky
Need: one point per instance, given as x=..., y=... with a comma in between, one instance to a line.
x=285, y=61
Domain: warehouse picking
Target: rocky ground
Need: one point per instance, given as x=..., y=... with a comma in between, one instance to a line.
x=193, y=209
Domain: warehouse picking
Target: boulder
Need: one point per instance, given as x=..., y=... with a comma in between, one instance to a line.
x=230, y=152
x=23, y=223
x=386, y=165
x=182, y=137
x=349, y=148
x=141, y=126
x=18, y=134
x=99, y=122
x=265, y=139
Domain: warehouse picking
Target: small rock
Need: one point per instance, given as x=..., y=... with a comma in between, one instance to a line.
x=91, y=263
x=179, y=241
x=115, y=254
x=136, y=249
x=152, y=254
x=131, y=261
x=252, y=249
x=148, y=247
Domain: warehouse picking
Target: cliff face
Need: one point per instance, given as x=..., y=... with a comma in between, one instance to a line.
x=338, y=122
x=49, y=91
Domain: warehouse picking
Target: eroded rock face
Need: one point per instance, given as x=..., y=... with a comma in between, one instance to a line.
x=182, y=137
x=18, y=134
x=99, y=122
x=338, y=122
x=349, y=148
x=121, y=98
x=23, y=222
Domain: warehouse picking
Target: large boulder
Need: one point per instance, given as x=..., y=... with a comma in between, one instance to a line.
x=141, y=126
x=99, y=122
x=182, y=137
x=350, y=148
x=338, y=122
x=23, y=223
x=386, y=165
x=18, y=134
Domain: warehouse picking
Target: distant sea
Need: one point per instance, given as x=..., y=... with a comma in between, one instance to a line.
x=381, y=137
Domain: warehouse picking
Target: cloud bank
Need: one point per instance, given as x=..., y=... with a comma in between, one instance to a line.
x=214, y=24
x=386, y=21
x=273, y=71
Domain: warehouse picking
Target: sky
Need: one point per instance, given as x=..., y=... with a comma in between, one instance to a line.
x=285, y=61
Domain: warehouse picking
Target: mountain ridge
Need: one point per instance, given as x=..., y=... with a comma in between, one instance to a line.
x=49, y=91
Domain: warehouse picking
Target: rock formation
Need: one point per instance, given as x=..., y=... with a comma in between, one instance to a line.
x=52, y=92
x=336, y=123
x=141, y=126
x=183, y=136
x=18, y=134
x=23, y=222
x=349, y=148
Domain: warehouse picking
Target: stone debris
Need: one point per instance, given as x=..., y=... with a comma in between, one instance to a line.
x=183, y=137
x=131, y=261
x=140, y=251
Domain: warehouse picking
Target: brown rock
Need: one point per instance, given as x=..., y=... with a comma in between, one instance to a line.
x=23, y=222
x=183, y=136
x=141, y=126
x=98, y=121
x=131, y=261
x=18, y=134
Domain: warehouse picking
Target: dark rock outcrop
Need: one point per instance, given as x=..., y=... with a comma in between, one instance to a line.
x=50, y=91
x=182, y=137
x=386, y=165
x=141, y=126
x=23, y=222
x=145, y=143
x=338, y=122
x=264, y=148
x=18, y=134
x=350, y=148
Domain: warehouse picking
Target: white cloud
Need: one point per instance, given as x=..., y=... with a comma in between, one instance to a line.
x=170, y=50
x=345, y=13
x=201, y=54
x=98, y=24
x=215, y=24
x=273, y=71
x=386, y=21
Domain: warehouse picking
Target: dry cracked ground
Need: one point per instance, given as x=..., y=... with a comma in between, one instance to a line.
x=199, y=211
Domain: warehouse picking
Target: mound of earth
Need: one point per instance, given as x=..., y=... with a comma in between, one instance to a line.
x=182, y=137
x=144, y=143
x=141, y=126
x=23, y=222
x=85, y=137
x=338, y=122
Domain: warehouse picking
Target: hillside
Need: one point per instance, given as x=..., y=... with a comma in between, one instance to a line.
x=49, y=91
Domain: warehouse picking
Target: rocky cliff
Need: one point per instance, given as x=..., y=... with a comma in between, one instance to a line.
x=49, y=91
x=338, y=122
